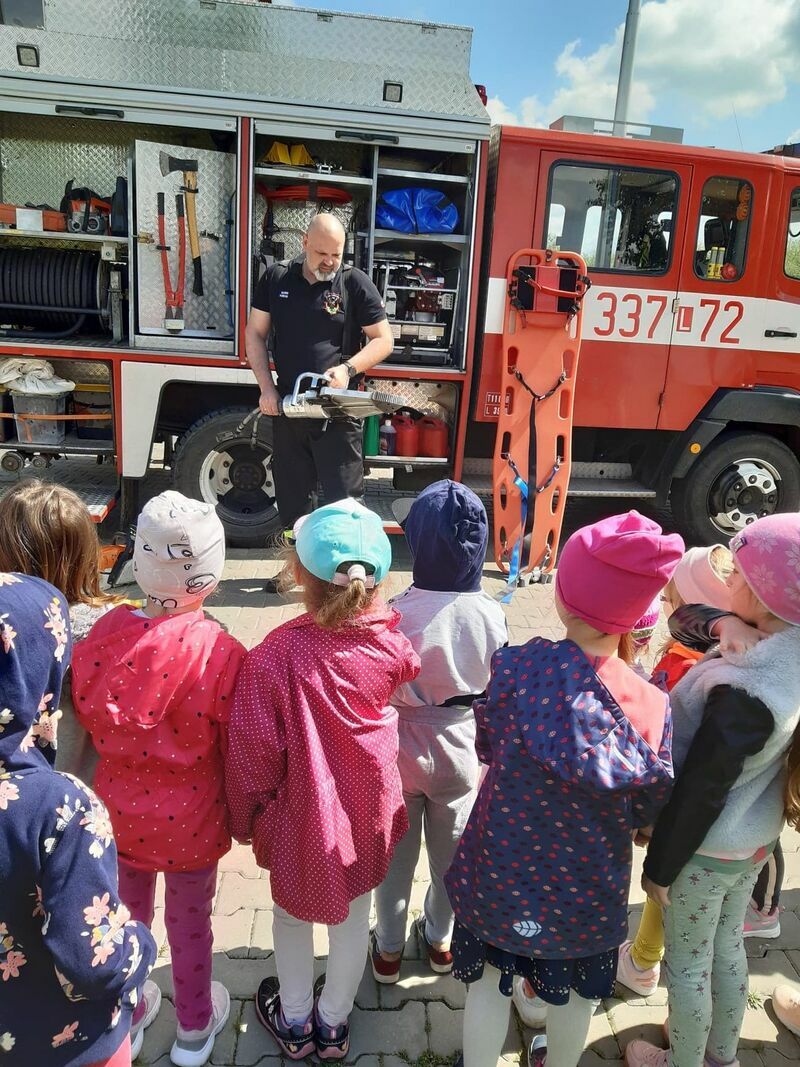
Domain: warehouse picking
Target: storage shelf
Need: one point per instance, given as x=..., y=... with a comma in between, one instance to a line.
x=54, y=235
x=71, y=445
x=418, y=289
x=406, y=461
x=422, y=176
x=455, y=240
x=300, y=174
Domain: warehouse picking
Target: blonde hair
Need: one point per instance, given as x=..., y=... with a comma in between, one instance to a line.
x=46, y=531
x=792, y=794
x=334, y=607
x=720, y=559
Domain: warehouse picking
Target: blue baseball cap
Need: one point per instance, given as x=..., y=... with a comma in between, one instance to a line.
x=344, y=532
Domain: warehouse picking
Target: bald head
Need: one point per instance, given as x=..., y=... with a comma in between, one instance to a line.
x=323, y=245
x=326, y=225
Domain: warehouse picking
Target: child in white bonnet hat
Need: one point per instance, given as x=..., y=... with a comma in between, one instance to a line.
x=153, y=688
x=179, y=551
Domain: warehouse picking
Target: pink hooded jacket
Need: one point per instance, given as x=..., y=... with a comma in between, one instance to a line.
x=155, y=696
x=311, y=769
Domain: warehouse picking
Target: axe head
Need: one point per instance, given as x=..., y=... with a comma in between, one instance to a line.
x=169, y=164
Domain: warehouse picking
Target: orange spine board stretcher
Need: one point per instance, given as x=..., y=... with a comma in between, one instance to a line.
x=533, y=447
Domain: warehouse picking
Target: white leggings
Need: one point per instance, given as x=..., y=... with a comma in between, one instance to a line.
x=294, y=959
x=486, y=1018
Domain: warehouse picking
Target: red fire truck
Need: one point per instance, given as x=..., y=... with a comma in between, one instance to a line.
x=137, y=136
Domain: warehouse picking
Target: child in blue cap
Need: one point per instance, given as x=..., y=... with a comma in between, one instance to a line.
x=311, y=771
x=455, y=628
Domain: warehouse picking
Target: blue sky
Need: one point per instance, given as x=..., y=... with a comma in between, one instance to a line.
x=727, y=71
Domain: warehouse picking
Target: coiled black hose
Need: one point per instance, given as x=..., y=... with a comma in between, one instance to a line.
x=49, y=292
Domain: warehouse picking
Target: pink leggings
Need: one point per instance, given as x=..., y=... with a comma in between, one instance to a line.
x=188, y=919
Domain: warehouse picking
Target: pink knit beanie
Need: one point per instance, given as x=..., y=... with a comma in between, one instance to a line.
x=645, y=627
x=610, y=572
x=768, y=555
x=698, y=583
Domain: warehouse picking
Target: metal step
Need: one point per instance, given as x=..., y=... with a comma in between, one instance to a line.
x=578, y=487
x=97, y=484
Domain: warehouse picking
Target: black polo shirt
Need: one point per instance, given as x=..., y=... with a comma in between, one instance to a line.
x=308, y=320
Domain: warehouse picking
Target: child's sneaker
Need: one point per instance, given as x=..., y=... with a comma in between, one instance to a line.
x=333, y=1042
x=296, y=1041
x=766, y=924
x=531, y=1009
x=193, y=1048
x=644, y=982
x=439, y=960
x=643, y=1054
x=537, y=1053
x=387, y=972
x=151, y=999
x=786, y=1002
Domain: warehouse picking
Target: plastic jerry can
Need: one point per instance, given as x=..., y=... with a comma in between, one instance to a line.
x=433, y=438
x=388, y=438
x=407, y=443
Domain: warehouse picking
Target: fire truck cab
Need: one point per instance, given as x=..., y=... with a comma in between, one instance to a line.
x=212, y=130
x=689, y=378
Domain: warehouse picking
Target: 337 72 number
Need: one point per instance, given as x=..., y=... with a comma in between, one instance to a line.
x=633, y=315
x=623, y=315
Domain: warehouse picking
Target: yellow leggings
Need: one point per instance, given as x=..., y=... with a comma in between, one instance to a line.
x=648, y=947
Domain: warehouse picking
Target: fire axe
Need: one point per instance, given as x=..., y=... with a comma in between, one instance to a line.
x=188, y=167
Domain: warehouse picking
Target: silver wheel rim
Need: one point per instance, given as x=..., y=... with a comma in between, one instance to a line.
x=223, y=478
x=744, y=491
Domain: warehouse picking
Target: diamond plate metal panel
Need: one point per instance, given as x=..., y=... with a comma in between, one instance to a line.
x=438, y=399
x=96, y=484
x=204, y=316
x=88, y=371
x=39, y=155
x=256, y=51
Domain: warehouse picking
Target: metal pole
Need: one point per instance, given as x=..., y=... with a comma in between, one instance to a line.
x=626, y=67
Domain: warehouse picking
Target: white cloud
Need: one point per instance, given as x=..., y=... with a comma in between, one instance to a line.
x=738, y=54
x=793, y=138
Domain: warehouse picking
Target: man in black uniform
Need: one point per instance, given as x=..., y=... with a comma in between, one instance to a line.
x=317, y=312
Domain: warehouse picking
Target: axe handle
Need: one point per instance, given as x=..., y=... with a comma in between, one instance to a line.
x=190, y=181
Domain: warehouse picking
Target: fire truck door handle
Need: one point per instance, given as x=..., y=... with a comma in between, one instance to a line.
x=361, y=135
x=95, y=112
x=780, y=333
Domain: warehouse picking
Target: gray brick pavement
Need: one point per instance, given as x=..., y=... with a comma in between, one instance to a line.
x=419, y=1020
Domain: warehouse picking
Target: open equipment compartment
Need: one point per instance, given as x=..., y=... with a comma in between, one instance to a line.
x=423, y=275
x=68, y=269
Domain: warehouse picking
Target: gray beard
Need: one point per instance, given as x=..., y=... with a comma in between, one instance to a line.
x=324, y=275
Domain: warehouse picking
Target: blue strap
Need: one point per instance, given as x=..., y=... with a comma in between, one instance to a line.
x=514, y=562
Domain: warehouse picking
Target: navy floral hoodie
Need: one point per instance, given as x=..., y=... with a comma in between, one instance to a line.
x=71, y=964
x=543, y=868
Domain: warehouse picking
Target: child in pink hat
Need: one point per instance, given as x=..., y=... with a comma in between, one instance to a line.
x=577, y=749
x=734, y=716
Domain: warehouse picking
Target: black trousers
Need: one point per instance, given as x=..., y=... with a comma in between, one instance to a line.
x=308, y=452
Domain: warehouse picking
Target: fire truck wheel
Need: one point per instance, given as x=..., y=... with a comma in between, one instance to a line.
x=742, y=477
x=232, y=475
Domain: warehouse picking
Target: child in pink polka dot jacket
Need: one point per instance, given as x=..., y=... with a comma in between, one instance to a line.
x=578, y=750
x=312, y=772
x=153, y=688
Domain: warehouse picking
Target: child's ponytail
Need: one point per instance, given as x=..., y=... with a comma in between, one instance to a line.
x=333, y=606
x=792, y=795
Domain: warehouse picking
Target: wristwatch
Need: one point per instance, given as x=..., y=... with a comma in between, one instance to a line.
x=351, y=370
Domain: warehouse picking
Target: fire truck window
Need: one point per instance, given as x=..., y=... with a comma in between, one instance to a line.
x=791, y=263
x=722, y=232
x=618, y=219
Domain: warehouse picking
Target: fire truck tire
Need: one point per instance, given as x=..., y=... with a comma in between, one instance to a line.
x=742, y=477
x=232, y=476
